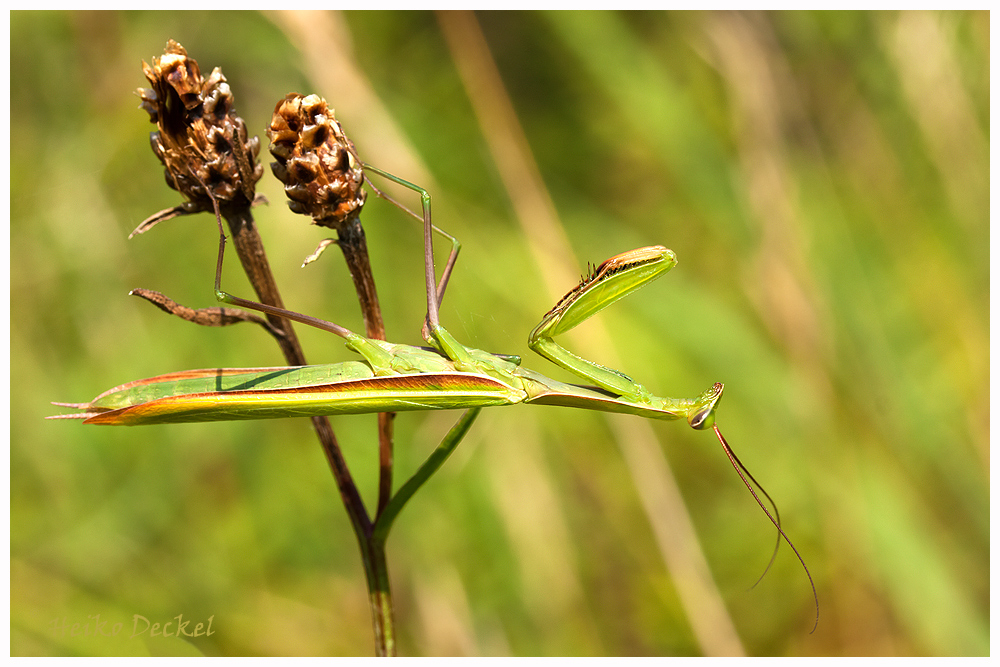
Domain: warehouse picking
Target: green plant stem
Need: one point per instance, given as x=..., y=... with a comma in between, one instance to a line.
x=376, y=569
x=380, y=597
x=429, y=467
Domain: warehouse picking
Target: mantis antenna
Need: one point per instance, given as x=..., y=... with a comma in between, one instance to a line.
x=740, y=469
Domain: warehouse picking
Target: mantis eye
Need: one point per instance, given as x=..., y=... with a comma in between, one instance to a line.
x=702, y=419
x=703, y=415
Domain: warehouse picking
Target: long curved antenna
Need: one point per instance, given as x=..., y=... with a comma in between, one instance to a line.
x=774, y=506
x=739, y=470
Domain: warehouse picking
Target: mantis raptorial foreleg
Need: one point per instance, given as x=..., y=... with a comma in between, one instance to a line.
x=592, y=295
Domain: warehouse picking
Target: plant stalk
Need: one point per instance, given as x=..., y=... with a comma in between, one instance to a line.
x=351, y=240
x=380, y=597
x=354, y=246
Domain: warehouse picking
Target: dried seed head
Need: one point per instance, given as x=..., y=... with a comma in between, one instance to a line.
x=316, y=161
x=201, y=141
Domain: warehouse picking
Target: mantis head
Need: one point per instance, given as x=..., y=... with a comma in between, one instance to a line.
x=701, y=415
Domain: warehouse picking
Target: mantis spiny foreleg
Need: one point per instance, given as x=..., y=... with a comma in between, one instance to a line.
x=612, y=280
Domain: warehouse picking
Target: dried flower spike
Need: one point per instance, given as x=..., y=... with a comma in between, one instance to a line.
x=201, y=141
x=316, y=161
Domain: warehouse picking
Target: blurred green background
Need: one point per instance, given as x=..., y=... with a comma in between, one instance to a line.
x=823, y=179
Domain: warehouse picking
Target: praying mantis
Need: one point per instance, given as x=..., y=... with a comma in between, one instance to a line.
x=445, y=375
x=402, y=377
x=394, y=377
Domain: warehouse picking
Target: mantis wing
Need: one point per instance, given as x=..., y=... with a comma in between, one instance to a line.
x=265, y=393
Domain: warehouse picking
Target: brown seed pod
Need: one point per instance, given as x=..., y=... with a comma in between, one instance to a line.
x=200, y=139
x=315, y=160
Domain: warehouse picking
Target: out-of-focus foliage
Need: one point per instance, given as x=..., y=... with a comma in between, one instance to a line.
x=823, y=178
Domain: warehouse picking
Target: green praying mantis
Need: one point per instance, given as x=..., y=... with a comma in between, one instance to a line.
x=445, y=375
x=402, y=377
